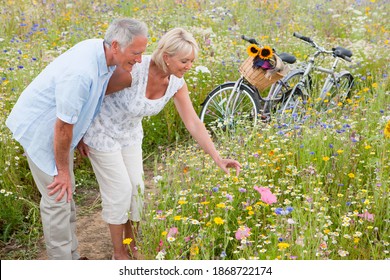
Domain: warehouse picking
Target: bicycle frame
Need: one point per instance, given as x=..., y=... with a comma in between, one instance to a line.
x=234, y=96
x=310, y=67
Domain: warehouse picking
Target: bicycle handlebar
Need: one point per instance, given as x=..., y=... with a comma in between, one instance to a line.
x=288, y=58
x=250, y=40
x=338, y=51
x=304, y=38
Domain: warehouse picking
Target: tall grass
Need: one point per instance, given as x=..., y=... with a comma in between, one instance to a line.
x=330, y=177
x=329, y=170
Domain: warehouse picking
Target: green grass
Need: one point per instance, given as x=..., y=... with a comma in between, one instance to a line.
x=329, y=170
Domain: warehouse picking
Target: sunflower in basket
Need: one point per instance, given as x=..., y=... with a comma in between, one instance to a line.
x=253, y=50
x=262, y=57
x=266, y=53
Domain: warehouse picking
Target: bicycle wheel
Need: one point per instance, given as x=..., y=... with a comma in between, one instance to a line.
x=292, y=107
x=338, y=92
x=224, y=107
x=279, y=92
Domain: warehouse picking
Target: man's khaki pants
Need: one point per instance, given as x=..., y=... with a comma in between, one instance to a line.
x=58, y=218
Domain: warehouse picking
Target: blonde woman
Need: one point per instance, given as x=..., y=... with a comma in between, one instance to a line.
x=113, y=141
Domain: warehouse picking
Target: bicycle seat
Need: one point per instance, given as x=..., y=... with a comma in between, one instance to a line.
x=288, y=58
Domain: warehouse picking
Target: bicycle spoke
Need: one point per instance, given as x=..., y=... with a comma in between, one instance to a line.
x=223, y=108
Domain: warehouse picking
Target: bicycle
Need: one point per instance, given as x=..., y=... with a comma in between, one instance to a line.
x=229, y=103
x=335, y=90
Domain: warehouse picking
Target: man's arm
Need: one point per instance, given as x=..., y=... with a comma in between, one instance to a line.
x=63, y=133
x=119, y=80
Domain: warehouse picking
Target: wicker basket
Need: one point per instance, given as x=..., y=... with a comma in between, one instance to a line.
x=256, y=76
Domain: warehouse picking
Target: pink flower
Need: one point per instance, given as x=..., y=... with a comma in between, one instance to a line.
x=172, y=232
x=187, y=238
x=243, y=232
x=367, y=216
x=266, y=195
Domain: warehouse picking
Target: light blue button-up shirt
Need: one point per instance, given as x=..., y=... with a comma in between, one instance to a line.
x=70, y=88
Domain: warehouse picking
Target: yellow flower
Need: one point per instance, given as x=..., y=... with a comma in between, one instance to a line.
x=266, y=53
x=253, y=50
x=194, y=250
x=218, y=221
x=127, y=241
x=351, y=175
x=220, y=205
x=164, y=233
x=386, y=132
x=325, y=158
x=283, y=245
x=177, y=218
x=340, y=152
x=181, y=202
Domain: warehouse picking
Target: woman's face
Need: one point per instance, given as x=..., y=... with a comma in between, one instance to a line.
x=180, y=63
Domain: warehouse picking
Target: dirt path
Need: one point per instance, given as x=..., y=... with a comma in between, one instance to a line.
x=92, y=231
x=93, y=235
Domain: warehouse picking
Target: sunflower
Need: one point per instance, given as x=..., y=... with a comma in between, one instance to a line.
x=266, y=53
x=387, y=130
x=253, y=50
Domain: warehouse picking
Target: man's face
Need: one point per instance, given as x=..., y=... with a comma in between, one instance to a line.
x=132, y=54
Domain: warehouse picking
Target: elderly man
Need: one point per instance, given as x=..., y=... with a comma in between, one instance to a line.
x=53, y=113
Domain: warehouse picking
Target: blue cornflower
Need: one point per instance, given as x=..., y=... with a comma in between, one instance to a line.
x=281, y=211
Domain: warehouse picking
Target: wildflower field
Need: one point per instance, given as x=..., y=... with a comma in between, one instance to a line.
x=317, y=190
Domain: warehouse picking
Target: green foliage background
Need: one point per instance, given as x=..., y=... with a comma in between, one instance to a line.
x=33, y=33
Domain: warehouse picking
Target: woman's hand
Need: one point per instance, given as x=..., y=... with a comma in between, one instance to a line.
x=225, y=164
x=83, y=148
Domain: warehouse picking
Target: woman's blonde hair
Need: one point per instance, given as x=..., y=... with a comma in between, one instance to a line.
x=175, y=41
